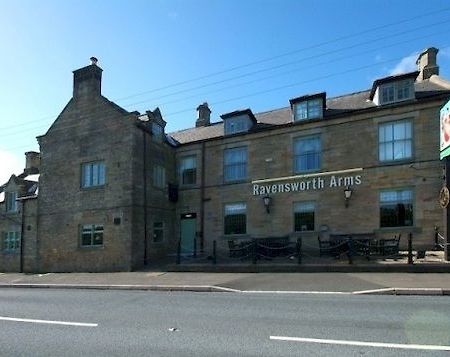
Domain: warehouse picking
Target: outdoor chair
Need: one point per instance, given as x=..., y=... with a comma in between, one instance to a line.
x=326, y=247
x=390, y=246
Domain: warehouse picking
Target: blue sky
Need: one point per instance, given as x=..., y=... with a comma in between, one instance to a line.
x=176, y=54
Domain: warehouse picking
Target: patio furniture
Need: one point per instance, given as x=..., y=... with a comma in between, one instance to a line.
x=390, y=246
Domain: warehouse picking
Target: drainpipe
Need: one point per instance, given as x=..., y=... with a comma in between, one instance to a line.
x=22, y=231
x=145, y=197
x=202, y=199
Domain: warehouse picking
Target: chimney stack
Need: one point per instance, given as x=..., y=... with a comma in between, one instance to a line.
x=204, y=114
x=426, y=64
x=32, y=162
x=87, y=81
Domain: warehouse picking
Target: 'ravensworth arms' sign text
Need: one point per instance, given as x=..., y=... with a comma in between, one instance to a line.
x=306, y=182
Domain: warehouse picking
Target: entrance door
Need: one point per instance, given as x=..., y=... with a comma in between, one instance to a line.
x=188, y=230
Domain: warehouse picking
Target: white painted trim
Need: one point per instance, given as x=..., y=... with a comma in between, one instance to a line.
x=327, y=173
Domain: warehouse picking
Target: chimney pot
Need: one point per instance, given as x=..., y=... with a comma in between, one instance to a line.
x=94, y=60
x=32, y=161
x=427, y=64
x=204, y=115
x=87, y=81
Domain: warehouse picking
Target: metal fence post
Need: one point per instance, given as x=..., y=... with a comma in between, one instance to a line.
x=195, y=248
x=299, y=250
x=435, y=238
x=179, y=252
x=410, y=255
x=214, y=253
x=350, y=251
x=254, y=251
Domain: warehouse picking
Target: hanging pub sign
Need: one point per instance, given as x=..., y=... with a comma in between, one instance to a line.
x=445, y=130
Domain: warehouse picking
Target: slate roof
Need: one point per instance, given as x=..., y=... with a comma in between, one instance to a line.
x=334, y=106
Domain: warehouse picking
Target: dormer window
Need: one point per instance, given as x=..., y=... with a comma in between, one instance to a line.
x=308, y=107
x=157, y=131
x=238, y=121
x=11, y=203
x=397, y=91
x=393, y=89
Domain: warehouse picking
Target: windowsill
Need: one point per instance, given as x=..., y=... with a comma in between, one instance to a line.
x=188, y=185
x=231, y=182
x=88, y=247
x=413, y=229
x=236, y=236
x=90, y=188
x=396, y=101
x=11, y=252
x=396, y=162
x=307, y=171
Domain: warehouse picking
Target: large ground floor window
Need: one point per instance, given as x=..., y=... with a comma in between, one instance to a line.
x=91, y=235
x=304, y=216
x=396, y=208
x=235, y=220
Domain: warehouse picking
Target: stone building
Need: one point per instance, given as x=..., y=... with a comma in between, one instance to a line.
x=117, y=192
x=14, y=197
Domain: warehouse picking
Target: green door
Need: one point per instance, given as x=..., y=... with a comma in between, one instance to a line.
x=188, y=230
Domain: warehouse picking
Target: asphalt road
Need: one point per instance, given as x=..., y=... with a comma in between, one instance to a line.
x=142, y=323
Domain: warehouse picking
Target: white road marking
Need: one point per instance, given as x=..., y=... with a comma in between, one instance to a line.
x=361, y=343
x=83, y=324
x=296, y=292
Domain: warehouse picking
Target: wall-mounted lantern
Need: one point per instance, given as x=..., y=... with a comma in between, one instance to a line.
x=267, y=201
x=347, y=194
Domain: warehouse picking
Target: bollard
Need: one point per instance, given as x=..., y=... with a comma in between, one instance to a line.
x=195, y=248
x=214, y=253
x=254, y=251
x=179, y=252
x=299, y=250
x=410, y=255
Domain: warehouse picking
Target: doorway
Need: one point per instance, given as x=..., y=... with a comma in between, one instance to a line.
x=188, y=232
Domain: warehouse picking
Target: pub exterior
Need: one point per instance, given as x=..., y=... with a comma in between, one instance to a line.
x=116, y=192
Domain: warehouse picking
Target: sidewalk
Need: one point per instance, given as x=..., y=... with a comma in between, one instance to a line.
x=348, y=283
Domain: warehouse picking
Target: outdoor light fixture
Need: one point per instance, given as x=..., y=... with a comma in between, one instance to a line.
x=347, y=194
x=267, y=201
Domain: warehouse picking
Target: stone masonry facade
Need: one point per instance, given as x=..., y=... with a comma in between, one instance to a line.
x=116, y=192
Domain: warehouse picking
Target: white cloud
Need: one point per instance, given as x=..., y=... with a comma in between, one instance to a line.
x=407, y=64
x=445, y=52
x=9, y=164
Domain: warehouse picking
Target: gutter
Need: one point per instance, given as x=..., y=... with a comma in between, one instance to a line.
x=202, y=199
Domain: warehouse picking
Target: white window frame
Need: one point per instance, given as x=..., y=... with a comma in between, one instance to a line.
x=235, y=164
x=398, y=192
x=391, y=147
x=394, y=91
x=158, y=227
x=308, y=109
x=93, y=174
x=159, y=176
x=298, y=155
x=11, y=241
x=236, y=125
x=305, y=207
x=93, y=230
x=188, y=163
x=232, y=209
x=10, y=202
